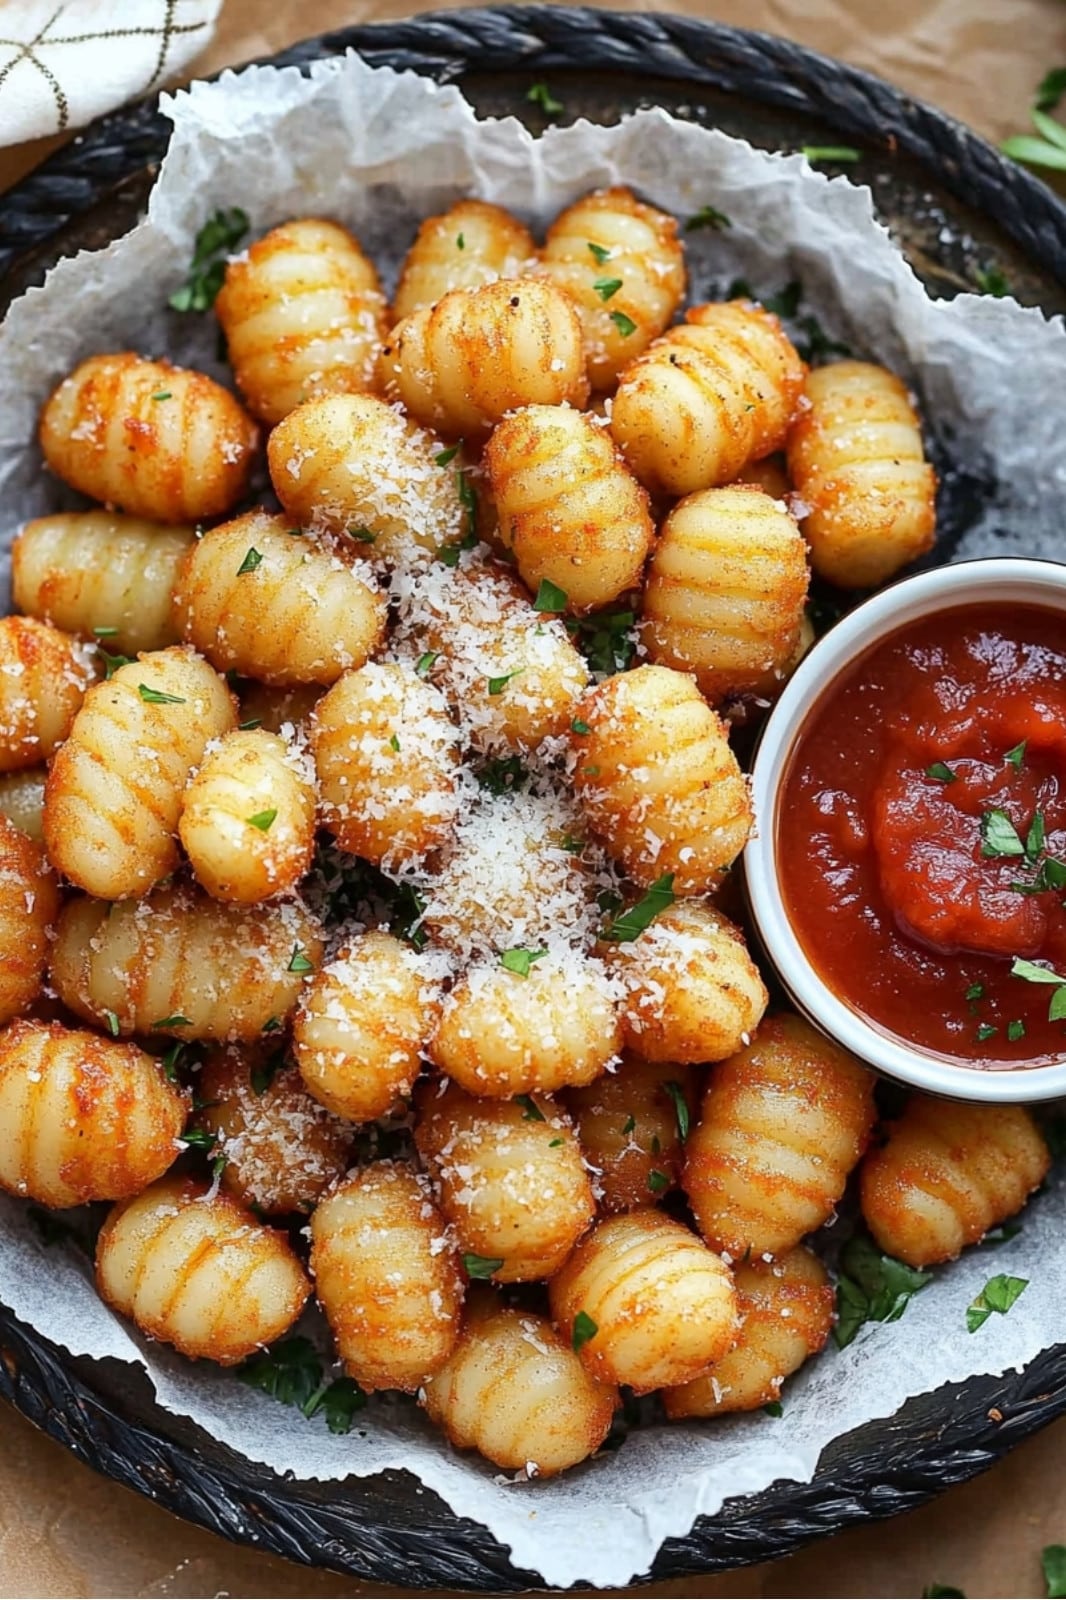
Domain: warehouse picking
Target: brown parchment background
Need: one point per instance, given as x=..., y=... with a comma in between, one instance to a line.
x=64, y=1531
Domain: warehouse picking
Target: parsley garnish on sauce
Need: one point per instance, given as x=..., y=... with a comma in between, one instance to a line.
x=999, y=836
x=1032, y=973
x=941, y=772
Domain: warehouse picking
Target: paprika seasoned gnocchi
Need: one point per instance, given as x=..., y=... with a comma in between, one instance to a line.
x=29, y=905
x=632, y=1124
x=43, y=678
x=470, y=244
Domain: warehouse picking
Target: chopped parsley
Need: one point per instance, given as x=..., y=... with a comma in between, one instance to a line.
x=681, y=1112
x=941, y=772
x=252, y=559
x=999, y=836
x=629, y=925
x=657, y=1181
x=169, y=1061
x=629, y=1125
x=985, y=1032
x=580, y=727
x=1002, y=1235
x=460, y=242
x=394, y=742
x=299, y=962
x=600, y=252
x=198, y=1139
x=445, y=456
x=112, y=663
x=164, y=394
x=993, y=281
x=998, y=1295
x=872, y=1288
x=1032, y=973
x=1046, y=149
x=774, y=1408
x=1053, y=1561
x=976, y=991
x=291, y=1372
x=176, y=1020
x=481, y=1266
x=1050, y=874
x=607, y=288
x=624, y=324
x=1015, y=1030
x=707, y=217
x=263, y=820
x=338, y=1401
x=111, y=1018
x=540, y=95
x=362, y=535
x=584, y=1329
x=424, y=664
x=1017, y=756
x=156, y=697
x=844, y=153
x=219, y=235
x=498, y=685
x=250, y=724
x=519, y=961
x=531, y=1110
x=105, y=633
x=502, y=774
x=942, y=1591
x=264, y=1072
x=606, y=640
x=550, y=597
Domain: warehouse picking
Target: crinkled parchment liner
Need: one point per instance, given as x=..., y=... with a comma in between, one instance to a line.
x=379, y=151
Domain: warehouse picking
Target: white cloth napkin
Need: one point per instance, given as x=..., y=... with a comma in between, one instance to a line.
x=63, y=64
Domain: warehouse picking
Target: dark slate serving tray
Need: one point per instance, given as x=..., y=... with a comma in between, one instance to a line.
x=957, y=208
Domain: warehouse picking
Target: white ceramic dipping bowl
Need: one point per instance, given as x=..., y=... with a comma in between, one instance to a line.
x=1007, y=581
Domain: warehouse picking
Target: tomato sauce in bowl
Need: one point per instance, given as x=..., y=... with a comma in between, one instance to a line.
x=921, y=835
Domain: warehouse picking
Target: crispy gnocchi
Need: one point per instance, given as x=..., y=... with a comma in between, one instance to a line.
x=198, y=1271
x=947, y=1173
x=163, y=443
x=367, y=832
x=303, y=315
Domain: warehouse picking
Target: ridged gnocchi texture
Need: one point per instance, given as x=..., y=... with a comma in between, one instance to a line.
x=662, y=1306
x=197, y=1271
x=786, y=1309
x=159, y=441
x=82, y=1118
x=260, y=599
x=515, y=1392
x=509, y=1177
x=781, y=1126
x=692, y=991
x=504, y=1033
x=657, y=779
x=43, y=678
x=248, y=817
x=387, y=753
x=386, y=1276
x=278, y=708
x=711, y=395
x=180, y=963
x=22, y=800
x=303, y=315
x=631, y=1124
x=569, y=509
x=856, y=458
x=282, y=1149
x=461, y=365
x=946, y=1174
x=470, y=244
x=726, y=590
x=362, y=1023
x=509, y=672
x=510, y=879
x=114, y=790
x=622, y=264
x=355, y=465
x=29, y=905
x=101, y=573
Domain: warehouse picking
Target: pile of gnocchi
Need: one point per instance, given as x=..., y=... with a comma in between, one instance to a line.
x=366, y=917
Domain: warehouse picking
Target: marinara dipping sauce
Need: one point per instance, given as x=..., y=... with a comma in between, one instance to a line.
x=921, y=838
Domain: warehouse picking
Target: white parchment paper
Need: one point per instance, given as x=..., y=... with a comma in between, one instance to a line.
x=379, y=151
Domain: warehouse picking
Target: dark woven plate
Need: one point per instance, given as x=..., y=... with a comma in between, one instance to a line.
x=957, y=208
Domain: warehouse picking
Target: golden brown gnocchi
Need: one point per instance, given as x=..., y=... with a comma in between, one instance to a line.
x=461, y=365
x=260, y=598
x=657, y=779
x=303, y=315
x=362, y=1023
x=469, y=244
x=518, y=1024
x=509, y=1177
x=281, y=1148
x=197, y=1271
x=656, y=1307
x=708, y=397
x=569, y=509
x=947, y=1173
x=359, y=467
x=83, y=1118
x=692, y=991
x=856, y=458
x=247, y=818
x=22, y=800
x=726, y=590
x=156, y=440
x=622, y=264
x=632, y=1124
x=782, y=1124
x=101, y=574
x=787, y=1308
x=114, y=791
x=387, y=1277
x=513, y=1390
x=386, y=753
x=43, y=678
x=29, y=905
x=180, y=963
